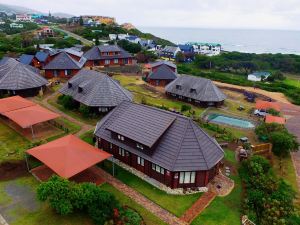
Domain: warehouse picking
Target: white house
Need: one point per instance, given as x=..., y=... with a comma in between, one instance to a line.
x=16, y=25
x=258, y=76
x=23, y=18
x=209, y=49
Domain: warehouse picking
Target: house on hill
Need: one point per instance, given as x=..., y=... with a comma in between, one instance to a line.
x=39, y=60
x=63, y=66
x=196, y=90
x=96, y=90
x=169, y=148
x=162, y=76
x=169, y=52
x=108, y=55
x=17, y=78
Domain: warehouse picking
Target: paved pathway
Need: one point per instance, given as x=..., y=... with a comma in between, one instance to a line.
x=142, y=200
x=83, y=40
x=84, y=127
x=198, y=207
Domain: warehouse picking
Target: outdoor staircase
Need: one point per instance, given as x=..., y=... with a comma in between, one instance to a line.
x=198, y=207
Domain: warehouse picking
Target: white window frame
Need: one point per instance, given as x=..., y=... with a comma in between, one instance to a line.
x=158, y=169
x=120, y=137
x=121, y=151
x=67, y=72
x=116, y=61
x=107, y=61
x=140, y=161
x=187, y=177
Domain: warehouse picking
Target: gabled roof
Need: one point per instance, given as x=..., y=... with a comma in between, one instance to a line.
x=162, y=62
x=95, y=52
x=18, y=76
x=170, y=49
x=205, y=89
x=41, y=56
x=98, y=89
x=62, y=61
x=26, y=59
x=163, y=73
x=186, y=48
x=73, y=51
x=68, y=156
x=181, y=146
x=13, y=103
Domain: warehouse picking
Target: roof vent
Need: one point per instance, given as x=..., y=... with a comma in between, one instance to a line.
x=80, y=89
x=178, y=87
x=193, y=90
x=69, y=85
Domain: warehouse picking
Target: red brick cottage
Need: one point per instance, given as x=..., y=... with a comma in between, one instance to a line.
x=63, y=66
x=162, y=76
x=107, y=55
x=167, y=147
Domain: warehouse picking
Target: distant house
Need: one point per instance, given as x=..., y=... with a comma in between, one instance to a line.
x=23, y=18
x=26, y=59
x=63, y=66
x=148, y=44
x=162, y=76
x=42, y=58
x=46, y=32
x=169, y=52
x=96, y=90
x=169, y=148
x=108, y=55
x=16, y=25
x=17, y=78
x=196, y=90
x=39, y=60
x=258, y=76
x=188, y=51
x=209, y=49
x=133, y=39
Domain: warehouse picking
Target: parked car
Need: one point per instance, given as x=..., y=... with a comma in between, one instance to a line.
x=260, y=112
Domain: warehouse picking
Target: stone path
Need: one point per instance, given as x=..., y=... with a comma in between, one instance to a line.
x=142, y=200
x=198, y=207
x=84, y=127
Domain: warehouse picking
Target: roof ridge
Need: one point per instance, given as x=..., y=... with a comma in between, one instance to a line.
x=181, y=141
x=73, y=60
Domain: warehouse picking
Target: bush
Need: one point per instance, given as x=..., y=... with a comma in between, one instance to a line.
x=273, y=112
x=131, y=217
x=85, y=110
x=67, y=102
x=185, y=108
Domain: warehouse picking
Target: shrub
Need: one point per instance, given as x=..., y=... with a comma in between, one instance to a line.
x=130, y=217
x=283, y=142
x=273, y=112
x=85, y=110
x=185, y=108
x=67, y=102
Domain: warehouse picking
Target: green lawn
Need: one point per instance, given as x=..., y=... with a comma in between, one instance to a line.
x=148, y=217
x=176, y=204
x=223, y=210
x=88, y=137
x=12, y=144
x=230, y=156
x=75, y=114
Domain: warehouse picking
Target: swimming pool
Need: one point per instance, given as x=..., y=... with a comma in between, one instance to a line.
x=236, y=122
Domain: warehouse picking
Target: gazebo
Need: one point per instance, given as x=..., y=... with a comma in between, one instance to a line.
x=70, y=158
x=25, y=113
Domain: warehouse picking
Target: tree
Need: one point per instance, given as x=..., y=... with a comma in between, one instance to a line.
x=85, y=110
x=80, y=21
x=283, y=143
x=185, y=108
x=180, y=57
x=130, y=47
x=273, y=112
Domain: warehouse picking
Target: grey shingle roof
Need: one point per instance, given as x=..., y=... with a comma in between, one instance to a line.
x=98, y=89
x=95, y=52
x=26, y=59
x=17, y=76
x=158, y=63
x=183, y=146
x=170, y=49
x=206, y=90
x=163, y=73
x=62, y=61
x=41, y=56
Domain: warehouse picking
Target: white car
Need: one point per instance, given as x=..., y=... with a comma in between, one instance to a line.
x=260, y=112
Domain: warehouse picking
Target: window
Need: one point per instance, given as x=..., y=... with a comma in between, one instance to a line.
x=140, y=161
x=187, y=177
x=178, y=87
x=116, y=61
x=121, y=152
x=158, y=169
x=120, y=137
x=68, y=72
x=55, y=73
x=110, y=145
x=80, y=89
x=107, y=61
x=193, y=90
x=69, y=85
x=139, y=146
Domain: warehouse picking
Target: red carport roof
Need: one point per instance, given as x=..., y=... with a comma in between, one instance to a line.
x=68, y=156
x=274, y=119
x=14, y=103
x=267, y=105
x=31, y=115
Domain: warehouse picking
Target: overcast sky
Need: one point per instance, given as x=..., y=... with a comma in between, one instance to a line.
x=261, y=14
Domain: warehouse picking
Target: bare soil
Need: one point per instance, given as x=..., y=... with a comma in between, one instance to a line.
x=12, y=170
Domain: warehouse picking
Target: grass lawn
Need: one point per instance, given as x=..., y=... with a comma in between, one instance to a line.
x=75, y=114
x=143, y=92
x=88, y=137
x=12, y=144
x=176, y=204
x=149, y=218
x=223, y=210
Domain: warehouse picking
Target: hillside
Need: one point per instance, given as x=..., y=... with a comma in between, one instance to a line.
x=13, y=9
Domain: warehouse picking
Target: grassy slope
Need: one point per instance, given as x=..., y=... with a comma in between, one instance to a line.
x=176, y=204
x=148, y=217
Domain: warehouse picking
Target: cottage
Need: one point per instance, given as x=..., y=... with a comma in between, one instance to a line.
x=209, y=49
x=19, y=79
x=46, y=32
x=38, y=60
x=16, y=25
x=161, y=76
x=43, y=58
x=169, y=52
x=108, y=55
x=196, y=90
x=258, y=76
x=96, y=90
x=63, y=66
x=165, y=146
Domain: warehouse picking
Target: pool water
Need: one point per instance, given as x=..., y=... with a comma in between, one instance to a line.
x=236, y=122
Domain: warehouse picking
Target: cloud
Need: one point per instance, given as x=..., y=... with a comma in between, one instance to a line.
x=267, y=14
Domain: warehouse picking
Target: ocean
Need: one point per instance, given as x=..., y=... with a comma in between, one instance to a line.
x=251, y=41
